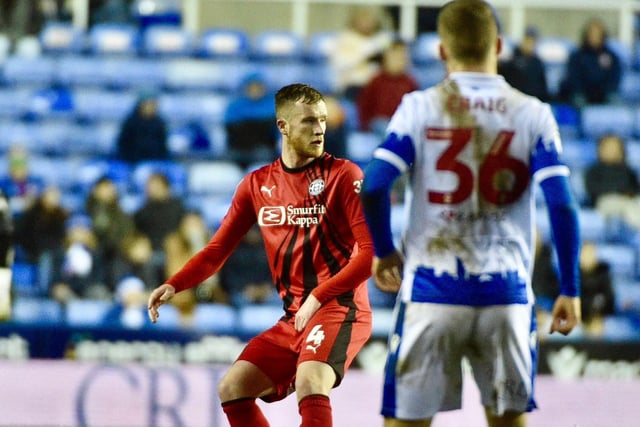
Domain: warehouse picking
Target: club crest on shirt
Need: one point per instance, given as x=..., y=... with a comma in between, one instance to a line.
x=316, y=187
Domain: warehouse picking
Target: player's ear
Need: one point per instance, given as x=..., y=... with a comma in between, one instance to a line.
x=499, y=46
x=283, y=126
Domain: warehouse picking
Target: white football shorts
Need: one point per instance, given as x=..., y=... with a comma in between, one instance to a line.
x=427, y=345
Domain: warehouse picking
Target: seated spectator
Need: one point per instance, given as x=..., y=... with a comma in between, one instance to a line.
x=355, y=57
x=593, y=71
x=130, y=308
x=612, y=184
x=180, y=245
x=78, y=271
x=249, y=285
x=335, y=136
x=143, y=133
x=250, y=123
x=524, y=70
x=379, y=98
x=40, y=231
x=135, y=258
x=598, y=298
x=159, y=216
x=20, y=185
x=6, y=257
x=110, y=223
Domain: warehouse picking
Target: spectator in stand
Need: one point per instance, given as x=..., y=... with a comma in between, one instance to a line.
x=593, y=70
x=40, y=231
x=129, y=308
x=110, y=223
x=78, y=271
x=525, y=70
x=356, y=55
x=337, y=131
x=379, y=98
x=249, y=122
x=191, y=236
x=612, y=184
x=20, y=185
x=135, y=258
x=159, y=216
x=6, y=257
x=249, y=285
x=143, y=134
x=598, y=299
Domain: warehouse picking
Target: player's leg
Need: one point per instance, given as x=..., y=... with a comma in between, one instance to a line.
x=264, y=369
x=503, y=363
x=327, y=348
x=423, y=373
x=238, y=390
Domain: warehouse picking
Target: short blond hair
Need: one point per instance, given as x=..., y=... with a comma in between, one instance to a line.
x=468, y=29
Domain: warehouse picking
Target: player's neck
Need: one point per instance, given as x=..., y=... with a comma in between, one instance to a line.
x=295, y=161
x=486, y=67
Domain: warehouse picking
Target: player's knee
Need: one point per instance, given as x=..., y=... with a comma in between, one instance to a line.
x=229, y=389
x=312, y=384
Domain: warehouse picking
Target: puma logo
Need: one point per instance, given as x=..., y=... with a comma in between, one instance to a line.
x=267, y=190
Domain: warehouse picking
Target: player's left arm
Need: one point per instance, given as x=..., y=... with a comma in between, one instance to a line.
x=552, y=174
x=358, y=269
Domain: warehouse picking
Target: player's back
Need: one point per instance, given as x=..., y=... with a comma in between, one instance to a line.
x=471, y=205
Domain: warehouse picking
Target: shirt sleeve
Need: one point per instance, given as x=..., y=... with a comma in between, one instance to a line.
x=210, y=259
x=358, y=269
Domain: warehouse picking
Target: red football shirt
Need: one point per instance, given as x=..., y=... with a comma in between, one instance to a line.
x=313, y=228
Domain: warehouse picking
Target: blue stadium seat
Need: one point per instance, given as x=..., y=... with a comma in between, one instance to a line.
x=134, y=73
x=19, y=70
x=579, y=153
x=627, y=295
x=14, y=102
x=277, y=45
x=620, y=328
x=130, y=202
x=36, y=311
x=284, y=72
x=592, y=225
x=82, y=71
x=25, y=279
x=167, y=40
x=630, y=87
x=213, y=208
x=320, y=45
x=92, y=139
x=223, y=75
x=598, y=120
x=86, y=313
x=378, y=298
x=568, y=118
x=425, y=50
x=224, y=43
x=113, y=39
x=622, y=258
x=213, y=318
x=61, y=38
x=360, y=146
x=92, y=170
x=95, y=104
x=633, y=154
x=174, y=171
x=217, y=177
x=255, y=318
x=623, y=52
x=201, y=107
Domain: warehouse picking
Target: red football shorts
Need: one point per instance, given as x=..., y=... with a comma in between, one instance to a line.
x=334, y=335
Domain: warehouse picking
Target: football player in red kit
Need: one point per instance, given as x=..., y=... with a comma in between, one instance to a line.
x=320, y=252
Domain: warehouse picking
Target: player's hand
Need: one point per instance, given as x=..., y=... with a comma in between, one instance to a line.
x=159, y=296
x=387, y=272
x=306, y=312
x=566, y=314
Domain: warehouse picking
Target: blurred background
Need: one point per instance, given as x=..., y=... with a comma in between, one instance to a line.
x=125, y=126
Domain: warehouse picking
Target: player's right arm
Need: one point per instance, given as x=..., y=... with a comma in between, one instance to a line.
x=205, y=263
